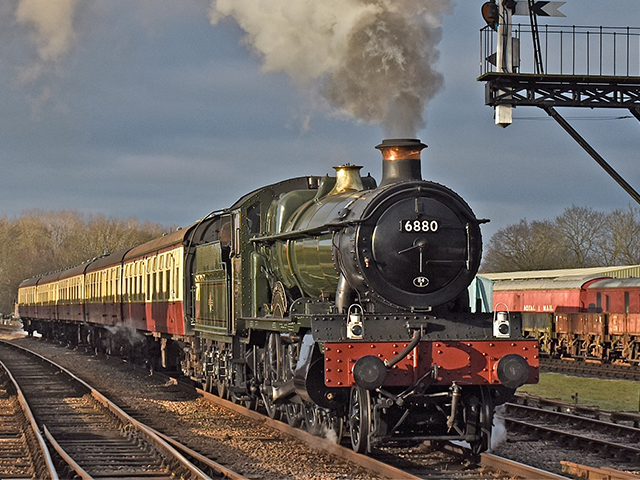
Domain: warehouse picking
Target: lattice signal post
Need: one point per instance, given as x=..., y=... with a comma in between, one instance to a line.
x=560, y=66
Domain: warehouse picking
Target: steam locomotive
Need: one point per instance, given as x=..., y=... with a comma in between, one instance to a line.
x=331, y=302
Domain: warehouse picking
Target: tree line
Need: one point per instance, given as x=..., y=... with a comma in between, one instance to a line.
x=38, y=242
x=578, y=238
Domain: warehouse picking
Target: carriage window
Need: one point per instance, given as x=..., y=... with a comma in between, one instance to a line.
x=154, y=286
x=626, y=302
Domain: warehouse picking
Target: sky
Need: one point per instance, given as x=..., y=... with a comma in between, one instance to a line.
x=165, y=110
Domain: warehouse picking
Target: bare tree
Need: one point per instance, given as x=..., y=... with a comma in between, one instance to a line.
x=39, y=242
x=580, y=237
x=524, y=246
x=620, y=244
x=581, y=229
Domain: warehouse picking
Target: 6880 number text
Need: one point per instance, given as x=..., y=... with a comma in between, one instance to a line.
x=422, y=226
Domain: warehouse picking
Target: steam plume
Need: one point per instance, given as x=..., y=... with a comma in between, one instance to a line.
x=53, y=23
x=373, y=59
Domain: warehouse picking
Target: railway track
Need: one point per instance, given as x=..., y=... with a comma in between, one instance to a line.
x=595, y=369
x=442, y=464
x=23, y=452
x=609, y=440
x=488, y=462
x=91, y=436
x=451, y=460
x=624, y=418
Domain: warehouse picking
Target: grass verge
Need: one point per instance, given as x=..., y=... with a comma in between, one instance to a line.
x=618, y=395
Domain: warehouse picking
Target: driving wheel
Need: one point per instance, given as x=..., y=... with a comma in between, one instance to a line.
x=359, y=419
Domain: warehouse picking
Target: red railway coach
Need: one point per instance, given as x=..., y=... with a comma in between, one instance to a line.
x=103, y=294
x=621, y=295
x=153, y=287
x=588, y=316
x=28, y=298
x=549, y=308
x=619, y=300
x=562, y=294
x=47, y=296
x=71, y=294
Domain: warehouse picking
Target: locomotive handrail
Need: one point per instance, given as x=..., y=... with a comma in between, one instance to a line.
x=322, y=229
x=319, y=230
x=307, y=232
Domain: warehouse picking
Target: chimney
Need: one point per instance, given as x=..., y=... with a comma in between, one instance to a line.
x=400, y=160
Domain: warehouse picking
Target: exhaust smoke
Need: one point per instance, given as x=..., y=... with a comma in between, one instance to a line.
x=371, y=59
x=52, y=21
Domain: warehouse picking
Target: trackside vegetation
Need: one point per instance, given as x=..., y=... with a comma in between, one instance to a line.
x=616, y=395
x=38, y=242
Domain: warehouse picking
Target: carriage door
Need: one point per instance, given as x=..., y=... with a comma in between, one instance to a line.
x=236, y=265
x=211, y=290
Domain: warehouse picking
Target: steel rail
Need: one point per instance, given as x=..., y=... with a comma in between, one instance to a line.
x=595, y=412
x=81, y=472
x=505, y=467
x=584, y=471
x=221, y=469
x=594, y=369
x=591, y=423
x=493, y=462
x=517, y=469
x=48, y=461
x=631, y=452
x=150, y=433
x=316, y=443
x=155, y=440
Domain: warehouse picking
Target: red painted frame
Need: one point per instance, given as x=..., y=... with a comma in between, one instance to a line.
x=465, y=362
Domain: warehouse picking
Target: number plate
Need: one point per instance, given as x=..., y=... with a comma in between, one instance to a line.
x=419, y=226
